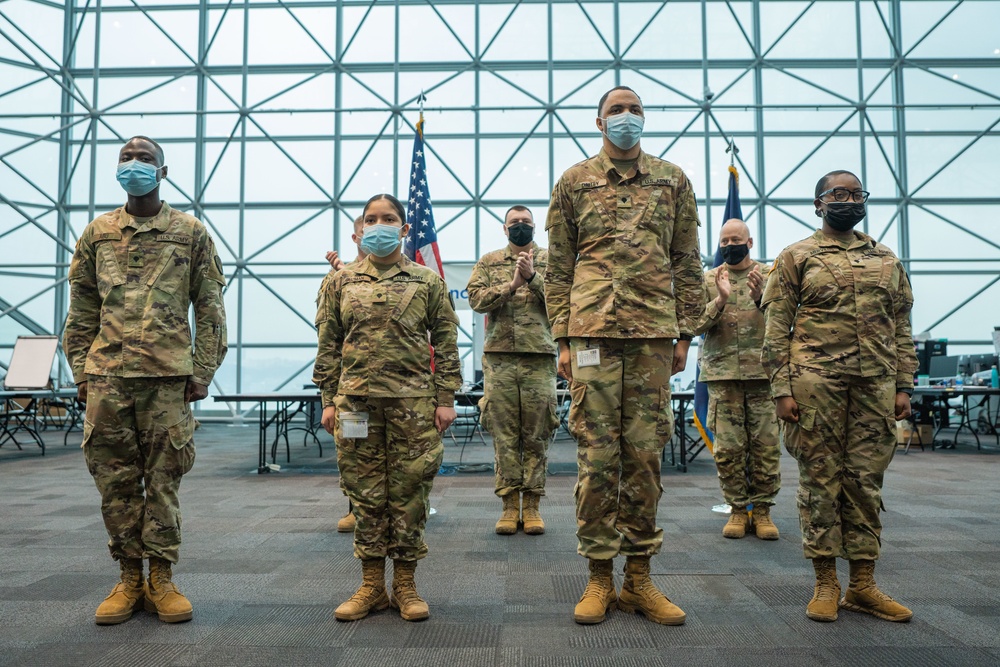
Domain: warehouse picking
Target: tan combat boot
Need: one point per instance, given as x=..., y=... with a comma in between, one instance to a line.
x=640, y=594
x=763, y=527
x=370, y=596
x=347, y=522
x=530, y=517
x=125, y=597
x=737, y=525
x=507, y=525
x=823, y=606
x=162, y=595
x=600, y=594
x=864, y=596
x=404, y=592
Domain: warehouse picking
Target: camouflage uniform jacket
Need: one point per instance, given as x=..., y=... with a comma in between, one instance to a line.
x=733, y=335
x=373, y=334
x=131, y=284
x=623, y=252
x=517, y=322
x=839, y=307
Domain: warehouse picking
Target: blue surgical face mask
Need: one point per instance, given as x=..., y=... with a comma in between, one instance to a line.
x=624, y=129
x=138, y=178
x=380, y=240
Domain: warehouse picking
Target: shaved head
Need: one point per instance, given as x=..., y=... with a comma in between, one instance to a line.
x=736, y=230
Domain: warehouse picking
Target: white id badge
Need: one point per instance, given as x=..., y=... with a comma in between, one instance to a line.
x=354, y=424
x=590, y=356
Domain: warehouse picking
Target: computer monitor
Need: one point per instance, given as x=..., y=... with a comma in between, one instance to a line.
x=943, y=367
x=981, y=362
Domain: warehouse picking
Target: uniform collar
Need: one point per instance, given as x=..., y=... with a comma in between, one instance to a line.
x=159, y=222
x=366, y=267
x=861, y=240
x=607, y=167
x=509, y=254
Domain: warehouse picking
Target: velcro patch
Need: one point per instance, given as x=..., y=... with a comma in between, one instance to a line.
x=108, y=236
x=402, y=278
x=590, y=185
x=358, y=278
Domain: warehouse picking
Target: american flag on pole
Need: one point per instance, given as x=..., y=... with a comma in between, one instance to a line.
x=422, y=240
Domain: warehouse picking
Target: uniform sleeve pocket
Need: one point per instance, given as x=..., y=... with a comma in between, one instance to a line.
x=182, y=432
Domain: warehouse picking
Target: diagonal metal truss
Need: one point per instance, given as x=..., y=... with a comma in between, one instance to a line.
x=328, y=125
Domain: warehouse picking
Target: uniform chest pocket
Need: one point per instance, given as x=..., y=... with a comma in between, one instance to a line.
x=823, y=278
x=354, y=306
x=109, y=271
x=410, y=309
x=879, y=271
x=172, y=268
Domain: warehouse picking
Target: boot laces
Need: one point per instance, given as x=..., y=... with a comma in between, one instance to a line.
x=828, y=585
x=597, y=587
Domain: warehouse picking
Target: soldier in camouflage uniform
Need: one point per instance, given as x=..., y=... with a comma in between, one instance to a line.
x=740, y=410
x=519, y=401
x=839, y=351
x=384, y=405
x=624, y=280
x=135, y=272
x=347, y=522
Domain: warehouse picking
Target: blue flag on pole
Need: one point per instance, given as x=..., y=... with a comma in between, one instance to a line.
x=421, y=241
x=733, y=210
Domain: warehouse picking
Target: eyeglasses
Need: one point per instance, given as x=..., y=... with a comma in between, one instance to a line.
x=843, y=194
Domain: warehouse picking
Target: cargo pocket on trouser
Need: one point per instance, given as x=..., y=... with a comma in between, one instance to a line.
x=484, y=414
x=665, y=417
x=576, y=418
x=796, y=433
x=181, y=437
x=347, y=463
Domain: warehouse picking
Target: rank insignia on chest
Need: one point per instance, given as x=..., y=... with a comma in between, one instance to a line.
x=135, y=259
x=378, y=296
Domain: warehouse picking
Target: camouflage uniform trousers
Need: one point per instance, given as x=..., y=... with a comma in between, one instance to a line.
x=388, y=475
x=843, y=441
x=138, y=441
x=519, y=411
x=621, y=417
x=742, y=417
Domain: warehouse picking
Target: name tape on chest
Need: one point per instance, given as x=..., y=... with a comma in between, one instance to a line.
x=108, y=236
x=590, y=185
x=173, y=238
x=650, y=181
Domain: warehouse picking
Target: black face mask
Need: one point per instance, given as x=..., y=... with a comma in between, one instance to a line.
x=733, y=254
x=843, y=216
x=520, y=234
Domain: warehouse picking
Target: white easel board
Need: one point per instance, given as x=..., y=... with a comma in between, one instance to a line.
x=31, y=363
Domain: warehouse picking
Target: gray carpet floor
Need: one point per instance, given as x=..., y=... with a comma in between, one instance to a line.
x=264, y=568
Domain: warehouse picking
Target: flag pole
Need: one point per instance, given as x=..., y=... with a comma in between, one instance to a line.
x=420, y=123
